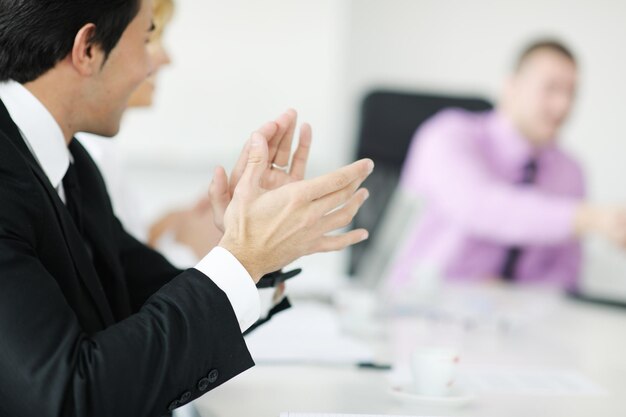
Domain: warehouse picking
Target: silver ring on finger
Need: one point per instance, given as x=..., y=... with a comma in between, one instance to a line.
x=280, y=168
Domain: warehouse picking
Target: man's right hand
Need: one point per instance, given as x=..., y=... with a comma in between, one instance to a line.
x=268, y=229
x=279, y=135
x=608, y=222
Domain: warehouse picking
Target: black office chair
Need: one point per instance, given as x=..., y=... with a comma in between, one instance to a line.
x=389, y=120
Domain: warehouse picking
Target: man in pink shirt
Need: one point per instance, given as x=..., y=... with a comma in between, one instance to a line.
x=502, y=199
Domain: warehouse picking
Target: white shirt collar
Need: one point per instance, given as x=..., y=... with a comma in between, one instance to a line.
x=40, y=131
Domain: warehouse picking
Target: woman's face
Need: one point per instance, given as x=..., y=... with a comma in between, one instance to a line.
x=143, y=96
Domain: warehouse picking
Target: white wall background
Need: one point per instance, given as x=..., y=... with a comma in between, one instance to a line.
x=237, y=64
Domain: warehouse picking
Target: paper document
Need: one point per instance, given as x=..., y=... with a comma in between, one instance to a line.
x=334, y=415
x=309, y=333
x=490, y=380
x=529, y=382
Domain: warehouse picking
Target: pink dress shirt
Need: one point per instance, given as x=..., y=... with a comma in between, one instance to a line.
x=466, y=168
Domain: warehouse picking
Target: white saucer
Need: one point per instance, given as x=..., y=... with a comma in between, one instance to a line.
x=457, y=398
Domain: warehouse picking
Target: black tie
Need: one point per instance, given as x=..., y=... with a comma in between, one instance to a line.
x=513, y=254
x=73, y=196
x=73, y=202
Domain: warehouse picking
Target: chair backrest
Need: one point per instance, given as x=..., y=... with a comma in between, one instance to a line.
x=389, y=120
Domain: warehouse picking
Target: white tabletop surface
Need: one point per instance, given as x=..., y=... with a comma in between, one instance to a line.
x=493, y=327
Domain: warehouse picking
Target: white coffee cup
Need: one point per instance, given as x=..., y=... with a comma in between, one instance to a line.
x=434, y=371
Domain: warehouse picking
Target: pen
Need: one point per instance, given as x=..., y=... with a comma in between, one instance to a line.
x=374, y=366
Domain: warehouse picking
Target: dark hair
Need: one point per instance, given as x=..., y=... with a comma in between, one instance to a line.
x=551, y=45
x=36, y=34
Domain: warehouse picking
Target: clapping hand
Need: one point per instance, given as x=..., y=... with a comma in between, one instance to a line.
x=282, y=168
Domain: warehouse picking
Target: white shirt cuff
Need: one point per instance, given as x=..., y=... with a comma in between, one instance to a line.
x=232, y=278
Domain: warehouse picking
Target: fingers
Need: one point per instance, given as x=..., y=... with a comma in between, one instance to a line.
x=268, y=130
x=202, y=205
x=320, y=187
x=257, y=163
x=333, y=201
x=240, y=167
x=283, y=121
x=219, y=197
x=616, y=227
x=343, y=217
x=339, y=242
x=287, y=122
x=161, y=226
x=279, y=293
x=301, y=156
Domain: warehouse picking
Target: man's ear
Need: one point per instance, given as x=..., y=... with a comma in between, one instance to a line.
x=86, y=56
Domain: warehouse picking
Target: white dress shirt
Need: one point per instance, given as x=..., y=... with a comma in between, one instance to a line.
x=44, y=138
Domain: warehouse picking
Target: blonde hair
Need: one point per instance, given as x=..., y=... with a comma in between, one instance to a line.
x=163, y=10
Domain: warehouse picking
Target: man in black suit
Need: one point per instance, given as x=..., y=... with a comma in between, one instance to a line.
x=94, y=323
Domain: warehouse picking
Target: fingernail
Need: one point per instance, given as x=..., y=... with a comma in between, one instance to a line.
x=365, y=236
x=371, y=167
x=367, y=195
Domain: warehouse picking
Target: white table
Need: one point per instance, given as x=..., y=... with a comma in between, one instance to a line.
x=555, y=333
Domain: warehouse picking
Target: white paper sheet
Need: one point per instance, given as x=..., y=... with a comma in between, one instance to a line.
x=534, y=382
x=306, y=334
x=334, y=415
x=529, y=382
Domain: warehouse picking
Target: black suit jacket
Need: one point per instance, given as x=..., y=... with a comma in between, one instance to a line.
x=117, y=332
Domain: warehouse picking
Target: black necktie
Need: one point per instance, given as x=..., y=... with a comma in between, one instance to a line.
x=73, y=196
x=513, y=254
x=73, y=202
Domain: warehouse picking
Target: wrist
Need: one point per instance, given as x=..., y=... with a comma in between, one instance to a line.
x=592, y=219
x=587, y=220
x=243, y=257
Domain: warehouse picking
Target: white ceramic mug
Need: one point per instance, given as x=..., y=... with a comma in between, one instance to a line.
x=434, y=371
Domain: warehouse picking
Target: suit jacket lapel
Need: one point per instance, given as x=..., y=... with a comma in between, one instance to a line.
x=74, y=240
